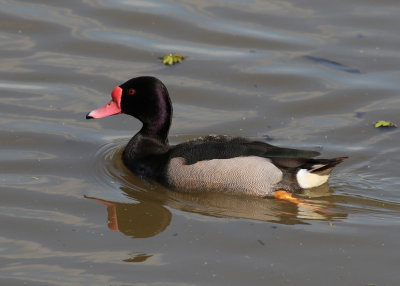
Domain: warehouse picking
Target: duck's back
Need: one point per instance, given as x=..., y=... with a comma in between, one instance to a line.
x=228, y=147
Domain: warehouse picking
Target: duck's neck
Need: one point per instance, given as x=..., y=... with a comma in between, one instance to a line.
x=157, y=126
x=160, y=133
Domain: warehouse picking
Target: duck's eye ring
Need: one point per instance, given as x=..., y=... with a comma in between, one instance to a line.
x=131, y=91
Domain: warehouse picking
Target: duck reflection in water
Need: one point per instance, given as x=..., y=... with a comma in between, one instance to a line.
x=148, y=214
x=138, y=220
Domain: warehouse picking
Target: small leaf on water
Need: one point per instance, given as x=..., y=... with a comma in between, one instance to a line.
x=172, y=59
x=384, y=123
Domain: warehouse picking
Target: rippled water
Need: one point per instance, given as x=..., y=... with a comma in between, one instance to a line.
x=313, y=75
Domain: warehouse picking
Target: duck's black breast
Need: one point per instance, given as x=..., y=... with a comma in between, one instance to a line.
x=146, y=157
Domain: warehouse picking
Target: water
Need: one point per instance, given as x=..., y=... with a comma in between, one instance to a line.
x=313, y=75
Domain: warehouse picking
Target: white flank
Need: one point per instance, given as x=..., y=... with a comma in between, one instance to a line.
x=309, y=180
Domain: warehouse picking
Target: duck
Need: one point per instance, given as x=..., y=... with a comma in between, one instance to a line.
x=217, y=163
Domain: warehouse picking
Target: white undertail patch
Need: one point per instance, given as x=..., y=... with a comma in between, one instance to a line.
x=308, y=180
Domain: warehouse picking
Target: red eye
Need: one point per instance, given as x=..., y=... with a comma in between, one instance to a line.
x=131, y=91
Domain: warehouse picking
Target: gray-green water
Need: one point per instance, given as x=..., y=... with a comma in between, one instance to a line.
x=307, y=74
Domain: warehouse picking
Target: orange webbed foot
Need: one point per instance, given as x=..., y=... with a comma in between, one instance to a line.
x=304, y=204
x=283, y=195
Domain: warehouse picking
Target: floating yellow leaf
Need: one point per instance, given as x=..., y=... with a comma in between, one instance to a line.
x=384, y=123
x=172, y=59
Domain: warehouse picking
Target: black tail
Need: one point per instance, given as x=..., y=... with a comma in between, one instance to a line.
x=325, y=166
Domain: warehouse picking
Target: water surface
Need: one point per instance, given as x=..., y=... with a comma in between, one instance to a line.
x=313, y=75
